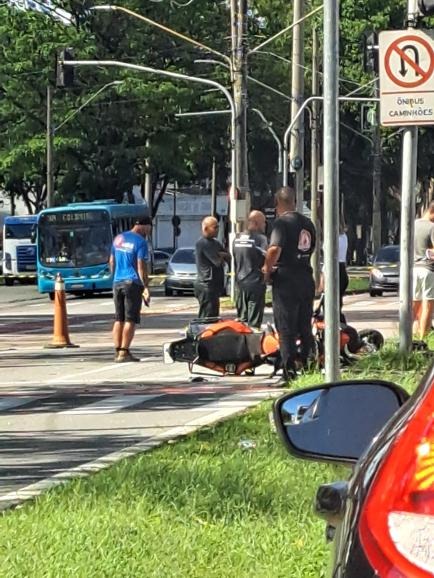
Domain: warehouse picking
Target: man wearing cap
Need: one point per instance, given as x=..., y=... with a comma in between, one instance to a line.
x=130, y=285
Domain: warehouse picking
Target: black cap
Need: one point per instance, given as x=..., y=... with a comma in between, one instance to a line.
x=144, y=221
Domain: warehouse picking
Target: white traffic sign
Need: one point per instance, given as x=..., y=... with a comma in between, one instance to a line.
x=406, y=59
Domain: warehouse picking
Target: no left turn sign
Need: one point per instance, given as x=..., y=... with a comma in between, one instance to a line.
x=406, y=78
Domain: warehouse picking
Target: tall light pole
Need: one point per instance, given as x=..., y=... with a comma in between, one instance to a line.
x=331, y=187
x=198, y=80
x=297, y=93
x=408, y=209
x=314, y=159
x=239, y=83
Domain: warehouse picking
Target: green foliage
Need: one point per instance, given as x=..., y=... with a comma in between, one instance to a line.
x=101, y=151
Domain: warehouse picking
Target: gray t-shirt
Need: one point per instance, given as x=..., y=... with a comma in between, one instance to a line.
x=423, y=240
x=249, y=253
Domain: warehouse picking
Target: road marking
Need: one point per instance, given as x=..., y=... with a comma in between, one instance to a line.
x=109, y=405
x=105, y=461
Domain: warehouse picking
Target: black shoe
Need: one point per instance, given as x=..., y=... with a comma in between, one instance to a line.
x=285, y=380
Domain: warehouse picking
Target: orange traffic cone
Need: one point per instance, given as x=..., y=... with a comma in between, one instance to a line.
x=60, y=330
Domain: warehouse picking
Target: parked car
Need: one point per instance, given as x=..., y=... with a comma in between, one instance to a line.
x=160, y=261
x=382, y=519
x=384, y=274
x=182, y=272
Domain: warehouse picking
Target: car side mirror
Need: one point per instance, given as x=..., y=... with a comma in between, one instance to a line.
x=336, y=422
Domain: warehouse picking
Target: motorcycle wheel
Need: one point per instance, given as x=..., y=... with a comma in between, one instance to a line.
x=372, y=337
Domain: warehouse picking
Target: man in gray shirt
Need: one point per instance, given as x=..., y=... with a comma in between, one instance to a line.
x=423, y=271
x=249, y=253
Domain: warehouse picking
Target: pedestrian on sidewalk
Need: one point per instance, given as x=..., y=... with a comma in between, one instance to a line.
x=250, y=248
x=210, y=259
x=423, y=272
x=287, y=266
x=128, y=264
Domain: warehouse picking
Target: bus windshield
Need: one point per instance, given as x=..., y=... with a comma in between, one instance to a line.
x=74, y=238
x=19, y=231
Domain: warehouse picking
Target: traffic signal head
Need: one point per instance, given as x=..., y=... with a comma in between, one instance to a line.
x=64, y=74
x=177, y=231
x=426, y=7
x=370, y=51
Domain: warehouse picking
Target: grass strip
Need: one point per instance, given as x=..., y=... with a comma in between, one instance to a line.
x=201, y=507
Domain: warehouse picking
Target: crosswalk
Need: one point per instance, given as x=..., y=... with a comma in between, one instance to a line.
x=102, y=403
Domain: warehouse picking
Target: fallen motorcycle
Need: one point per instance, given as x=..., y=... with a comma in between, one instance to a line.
x=231, y=347
x=225, y=346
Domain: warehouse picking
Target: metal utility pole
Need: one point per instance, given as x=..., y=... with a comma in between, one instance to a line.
x=331, y=187
x=297, y=93
x=376, y=177
x=50, y=135
x=408, y=209
x=213, y=189
x=314, y=158
x=239, y=82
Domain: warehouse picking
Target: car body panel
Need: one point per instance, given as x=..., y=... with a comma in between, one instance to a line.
x=349, y=559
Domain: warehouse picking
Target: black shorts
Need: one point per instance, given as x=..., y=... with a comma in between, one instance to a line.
x=128, y=301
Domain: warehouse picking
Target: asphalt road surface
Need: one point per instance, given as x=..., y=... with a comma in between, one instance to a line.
x=64, y=412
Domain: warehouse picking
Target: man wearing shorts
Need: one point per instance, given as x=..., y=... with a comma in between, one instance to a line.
x=130, y=285
x=423, y=271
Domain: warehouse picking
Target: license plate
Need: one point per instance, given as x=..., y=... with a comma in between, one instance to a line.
x=77, y=286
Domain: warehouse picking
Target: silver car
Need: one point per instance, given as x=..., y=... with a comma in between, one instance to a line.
x=182, y=272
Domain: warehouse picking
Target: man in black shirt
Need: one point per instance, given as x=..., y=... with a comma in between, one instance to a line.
x=210, y=258
x=249, y=253
x=287, y=265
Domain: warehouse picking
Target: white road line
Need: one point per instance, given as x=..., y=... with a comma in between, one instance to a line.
x=109, y=405
x=8, y=403
x=32, y=490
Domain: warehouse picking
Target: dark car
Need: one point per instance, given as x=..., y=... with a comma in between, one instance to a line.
x=384, y=274
x=382, y=519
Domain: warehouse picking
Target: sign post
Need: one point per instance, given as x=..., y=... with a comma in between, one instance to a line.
x=406, y=78
x=407, y=99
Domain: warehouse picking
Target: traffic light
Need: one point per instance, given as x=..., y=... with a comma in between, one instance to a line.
x=426, y=7
x=65, y=74
x=177, y=231
x=370, y=52
x=176, y=220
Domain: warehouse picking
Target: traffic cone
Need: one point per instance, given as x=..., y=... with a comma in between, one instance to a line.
x=60, y=329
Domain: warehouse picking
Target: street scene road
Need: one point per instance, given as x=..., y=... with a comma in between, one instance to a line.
x=67, y=409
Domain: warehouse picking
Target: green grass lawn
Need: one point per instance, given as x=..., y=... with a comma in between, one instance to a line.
x=200, y=507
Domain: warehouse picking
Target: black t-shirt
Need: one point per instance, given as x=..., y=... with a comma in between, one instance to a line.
x=295, y=235
x=210, y=269
x=249, y=253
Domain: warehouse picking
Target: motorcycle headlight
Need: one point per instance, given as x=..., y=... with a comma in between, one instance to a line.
x=377, y=273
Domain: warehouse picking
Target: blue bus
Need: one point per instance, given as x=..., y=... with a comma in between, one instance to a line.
x=19, y=248
x=75, y=241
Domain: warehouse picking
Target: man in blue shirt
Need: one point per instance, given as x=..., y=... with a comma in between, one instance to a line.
x=130, y=285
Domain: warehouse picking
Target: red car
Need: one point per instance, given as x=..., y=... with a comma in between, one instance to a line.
x=382, y=519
